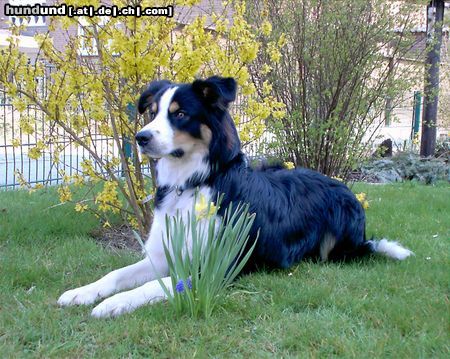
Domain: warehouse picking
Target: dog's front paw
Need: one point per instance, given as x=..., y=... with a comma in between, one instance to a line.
x=83, y=295
x=114, y=306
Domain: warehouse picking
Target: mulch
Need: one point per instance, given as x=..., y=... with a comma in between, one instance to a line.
x=119, y=237
x=358, y=176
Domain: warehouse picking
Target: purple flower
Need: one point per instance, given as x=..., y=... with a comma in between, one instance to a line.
x=179, y=287
x=189, y=283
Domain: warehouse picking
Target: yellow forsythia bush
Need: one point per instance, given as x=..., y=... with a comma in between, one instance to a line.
x=86, y=98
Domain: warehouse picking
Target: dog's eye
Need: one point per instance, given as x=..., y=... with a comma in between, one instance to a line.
x=180, y=115
x=152, y=115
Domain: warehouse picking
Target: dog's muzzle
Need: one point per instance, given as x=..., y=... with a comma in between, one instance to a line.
x=143, y=138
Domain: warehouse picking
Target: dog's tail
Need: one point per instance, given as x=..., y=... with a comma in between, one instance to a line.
x=389, y=249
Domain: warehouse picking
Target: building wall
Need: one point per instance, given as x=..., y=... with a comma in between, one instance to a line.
x=59, y=36
x=3, y=18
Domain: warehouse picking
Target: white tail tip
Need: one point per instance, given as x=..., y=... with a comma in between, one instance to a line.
x=392, y=249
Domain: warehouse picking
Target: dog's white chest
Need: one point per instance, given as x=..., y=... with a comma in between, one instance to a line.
x=174, y=204
x=183, y=202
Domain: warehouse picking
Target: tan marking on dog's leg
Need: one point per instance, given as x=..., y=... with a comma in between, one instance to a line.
x=326, y=246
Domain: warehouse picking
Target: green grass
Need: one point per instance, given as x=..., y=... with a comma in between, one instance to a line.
x=373, y=308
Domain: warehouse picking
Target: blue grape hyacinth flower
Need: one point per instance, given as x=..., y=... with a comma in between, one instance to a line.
x=179, y=287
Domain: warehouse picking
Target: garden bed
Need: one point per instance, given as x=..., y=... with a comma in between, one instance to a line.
x=116, y=237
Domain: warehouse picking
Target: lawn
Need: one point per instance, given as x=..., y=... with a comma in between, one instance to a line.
x=373, y=308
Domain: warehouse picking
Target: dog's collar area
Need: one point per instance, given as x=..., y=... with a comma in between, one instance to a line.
x=194, y=182
x=178, y=190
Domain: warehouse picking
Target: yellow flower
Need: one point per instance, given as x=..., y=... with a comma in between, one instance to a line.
x=19, y=104
x=21, y=179
x=79, y=207
x=365, y=204
x=362, y=198
x=266, y=69
x=34, y=153
x=282, y=41
x=274, y=52
x=35, y=188
x=15, y=142
x=108, y=199
x=133, y=222
x=203, y=209
x=267, y=88
x=88, y=170
x=78, y=179
x=266, y=28
x=27, y=125
x=289, y=165
x=64, y=194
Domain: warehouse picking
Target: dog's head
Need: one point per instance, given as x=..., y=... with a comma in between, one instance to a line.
x=187, y=118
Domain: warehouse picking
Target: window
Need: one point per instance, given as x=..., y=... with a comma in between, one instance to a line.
x=30, y=20
x=85, y=29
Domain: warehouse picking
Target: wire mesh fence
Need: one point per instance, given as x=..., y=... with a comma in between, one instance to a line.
x=61, y=157
x=21, y=132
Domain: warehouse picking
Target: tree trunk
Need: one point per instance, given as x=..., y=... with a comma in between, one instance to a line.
x=434, y=41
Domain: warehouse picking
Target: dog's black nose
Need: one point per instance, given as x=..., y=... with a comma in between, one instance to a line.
x=143, y=138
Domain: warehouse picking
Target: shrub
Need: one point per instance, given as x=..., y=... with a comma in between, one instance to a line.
x=339, y=67
x=408, y=166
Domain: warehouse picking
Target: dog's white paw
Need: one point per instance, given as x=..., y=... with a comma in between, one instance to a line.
x=83, y=295
x=112, y=307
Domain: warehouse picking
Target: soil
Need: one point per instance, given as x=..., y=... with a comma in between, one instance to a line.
x=358, y=176
x=120, y=237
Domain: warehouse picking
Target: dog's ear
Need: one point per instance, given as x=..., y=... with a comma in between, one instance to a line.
x=216, y=90
x=147, y=96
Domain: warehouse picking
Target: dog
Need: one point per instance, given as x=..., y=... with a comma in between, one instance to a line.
x=300, y=213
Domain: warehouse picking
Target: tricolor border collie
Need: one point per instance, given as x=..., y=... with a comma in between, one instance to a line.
x=299, y=213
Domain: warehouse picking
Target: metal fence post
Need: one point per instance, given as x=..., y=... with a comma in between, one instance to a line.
x=416, y=114
x=126, y=143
